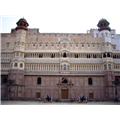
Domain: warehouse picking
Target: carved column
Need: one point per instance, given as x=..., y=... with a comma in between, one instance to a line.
x=59, y=94
x=16, y=94
x=22, y=92
x=106, y=54
x=70, y=92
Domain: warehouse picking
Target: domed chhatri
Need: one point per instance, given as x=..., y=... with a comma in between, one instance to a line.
x=103, y=20
x=103, y=25
x=22, y=24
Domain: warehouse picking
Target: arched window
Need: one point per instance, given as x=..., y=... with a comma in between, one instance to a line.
x=90, y=82
x=64, y=67
x=105, y=67
x=108, y=54
x=64, y=55
x=38, y=80
x=104, y=55
x=15, y=65
x=21, y=65
x=109, y=66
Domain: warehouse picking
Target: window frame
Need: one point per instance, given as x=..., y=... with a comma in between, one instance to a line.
x=15, y=64
x=21, y=64
x=39, y=82
x=90, y=81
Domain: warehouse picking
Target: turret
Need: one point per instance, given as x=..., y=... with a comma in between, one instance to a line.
x=103, y=25
x=22, y=24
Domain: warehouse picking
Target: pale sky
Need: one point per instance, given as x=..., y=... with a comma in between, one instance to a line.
x=59, y=23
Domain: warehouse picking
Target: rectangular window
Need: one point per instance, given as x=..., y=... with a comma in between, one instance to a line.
x=90, y=82
x=90, y=95
x=38, y=95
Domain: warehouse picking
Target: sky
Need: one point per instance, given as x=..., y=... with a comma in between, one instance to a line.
x=59, y=23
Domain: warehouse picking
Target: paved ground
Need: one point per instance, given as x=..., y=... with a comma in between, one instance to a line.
x=56, y=103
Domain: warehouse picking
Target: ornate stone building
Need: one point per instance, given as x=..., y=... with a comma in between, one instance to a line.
x=62, y=65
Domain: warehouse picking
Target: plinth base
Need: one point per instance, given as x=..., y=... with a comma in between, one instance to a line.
x=82, y=102
x=47, y=102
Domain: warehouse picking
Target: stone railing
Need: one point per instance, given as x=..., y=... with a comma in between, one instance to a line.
x=5, y=60
x=59, y=60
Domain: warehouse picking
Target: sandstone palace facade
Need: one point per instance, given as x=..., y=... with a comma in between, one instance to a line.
x=62, y=65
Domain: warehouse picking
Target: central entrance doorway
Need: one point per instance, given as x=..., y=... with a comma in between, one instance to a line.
x=64, y=94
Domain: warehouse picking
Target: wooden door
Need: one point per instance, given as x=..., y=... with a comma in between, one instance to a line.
x=64, y=94
x=90, y=95
x=38, y=95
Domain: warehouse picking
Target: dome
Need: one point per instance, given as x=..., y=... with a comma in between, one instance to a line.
x=103, y=24
x=22, y=24
x=22, y=19
x=103, y=20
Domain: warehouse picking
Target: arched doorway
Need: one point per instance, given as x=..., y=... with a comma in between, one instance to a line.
x=65, y=89
x=64, y=93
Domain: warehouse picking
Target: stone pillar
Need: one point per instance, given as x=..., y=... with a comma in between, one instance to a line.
x=59, y=94
x=70, y=92
x=16, y=92
x=22, y=92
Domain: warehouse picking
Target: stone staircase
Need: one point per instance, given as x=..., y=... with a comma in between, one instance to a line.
x=65, y=100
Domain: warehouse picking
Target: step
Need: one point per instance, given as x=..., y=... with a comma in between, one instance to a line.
x=65, y=100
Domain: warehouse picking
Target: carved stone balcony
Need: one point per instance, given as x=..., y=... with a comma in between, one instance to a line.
x=108, y=59
x=59, y=60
